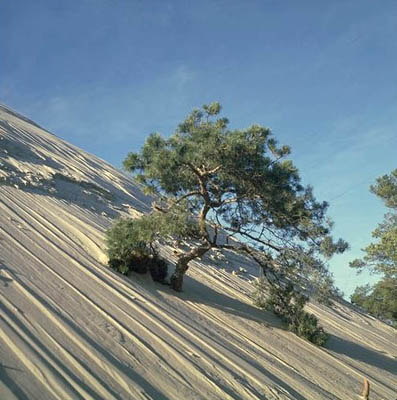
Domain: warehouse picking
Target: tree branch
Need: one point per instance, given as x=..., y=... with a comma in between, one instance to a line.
x=213, y=171
x=194, y=193
x=256, y=239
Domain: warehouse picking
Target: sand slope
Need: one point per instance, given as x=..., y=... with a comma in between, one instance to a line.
x=70, y=328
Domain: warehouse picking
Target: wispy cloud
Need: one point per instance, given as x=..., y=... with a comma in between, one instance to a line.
x=182, y=76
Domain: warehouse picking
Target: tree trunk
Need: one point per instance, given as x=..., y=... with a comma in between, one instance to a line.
x=182, y=266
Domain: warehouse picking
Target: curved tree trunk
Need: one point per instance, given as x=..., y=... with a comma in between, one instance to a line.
x=182, y=266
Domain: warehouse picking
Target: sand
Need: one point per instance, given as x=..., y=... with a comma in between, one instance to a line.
x=70, y=328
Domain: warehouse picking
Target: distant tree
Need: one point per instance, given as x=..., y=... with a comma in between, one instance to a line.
x=232, y=189
x=380, y=300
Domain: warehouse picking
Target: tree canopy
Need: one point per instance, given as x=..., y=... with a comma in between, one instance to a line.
x=237, y=190
x=381, y=256
x=380, y=300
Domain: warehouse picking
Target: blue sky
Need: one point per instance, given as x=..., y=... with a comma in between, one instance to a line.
x=103, y=74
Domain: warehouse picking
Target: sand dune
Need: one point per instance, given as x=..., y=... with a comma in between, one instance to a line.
x=70, y=328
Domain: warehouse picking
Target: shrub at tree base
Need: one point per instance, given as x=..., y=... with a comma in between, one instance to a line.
x=306, y=325
x=118, y=266
x=141, y=264
x=127, y=254
x=158, y=269
x=288, y=305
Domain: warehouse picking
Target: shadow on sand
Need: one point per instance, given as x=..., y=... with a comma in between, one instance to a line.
x=9, y=381
x=196, y=292
x=361, y=353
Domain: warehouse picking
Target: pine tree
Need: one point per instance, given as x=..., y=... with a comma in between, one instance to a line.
x=380, y=300
x=210, y=182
